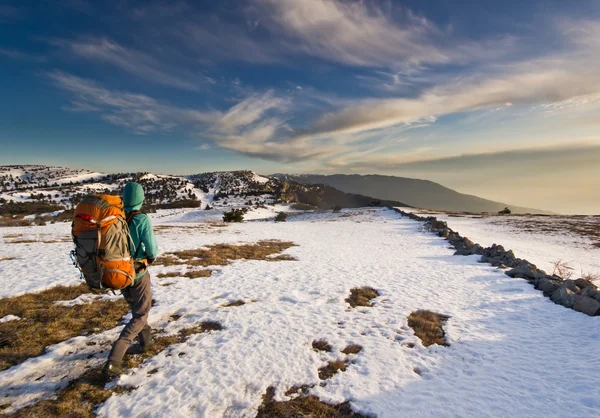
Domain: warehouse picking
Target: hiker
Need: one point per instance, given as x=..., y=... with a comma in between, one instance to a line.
x=139, y=294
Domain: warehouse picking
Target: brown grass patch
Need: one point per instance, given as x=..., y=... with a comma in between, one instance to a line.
x=43, y=323
x=303, y=406
x=222, y=254
x=334, y=366
x=205, y=326
x=321, y=345
x=352, y=349
x=428, y=326
x=362, y=296
x=193, y=274
x=7, y=258
x=234, y=303
x=21, y=241
x=84, y=394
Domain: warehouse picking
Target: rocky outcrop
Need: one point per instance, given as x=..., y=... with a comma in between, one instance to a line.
x=580, y=295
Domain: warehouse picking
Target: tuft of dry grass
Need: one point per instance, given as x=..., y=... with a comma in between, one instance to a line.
x=362, y=296
x=44, y=323
x=192, y=274
x=334, y=366
x=21, y=241
x=562, y=269
x=352, y=349
x=7, y=258
x=234, y=303
x=321, y=345
x=81, y=397
x=303, y=406
x=205, y=326
x=428, y=326
x=222, y=254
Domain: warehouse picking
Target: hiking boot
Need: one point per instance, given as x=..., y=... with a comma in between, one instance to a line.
x=136, y=348
x=112, y=369
x=145, y=337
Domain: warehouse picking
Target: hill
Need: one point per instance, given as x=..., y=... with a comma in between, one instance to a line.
x=414, y=192
x=36, y=189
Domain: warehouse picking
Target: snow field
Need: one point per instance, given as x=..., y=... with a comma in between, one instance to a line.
x=513, y=352
x=541, y=248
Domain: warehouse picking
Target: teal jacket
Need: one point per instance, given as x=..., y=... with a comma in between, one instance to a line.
x=143, y=244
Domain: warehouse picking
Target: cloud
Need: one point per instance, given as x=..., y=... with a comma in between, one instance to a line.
x=361, y=34
x=13, y=53
x=555, y=157
x=135, y=62
x=558, y=78
x=138, y=113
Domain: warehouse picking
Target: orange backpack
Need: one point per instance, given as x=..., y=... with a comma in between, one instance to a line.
x=101, y=237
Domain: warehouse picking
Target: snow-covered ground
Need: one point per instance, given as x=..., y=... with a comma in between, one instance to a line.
x=542, y=240
x=512, y=352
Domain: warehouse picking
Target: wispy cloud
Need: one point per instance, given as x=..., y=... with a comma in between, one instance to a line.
x=137, y=112
x=136, y=63
x=20, y=55
x=362, y=34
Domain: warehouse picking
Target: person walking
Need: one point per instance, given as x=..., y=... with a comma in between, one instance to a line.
x=139, y=294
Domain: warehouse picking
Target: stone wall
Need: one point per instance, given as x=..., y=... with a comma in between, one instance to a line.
x=580, y=295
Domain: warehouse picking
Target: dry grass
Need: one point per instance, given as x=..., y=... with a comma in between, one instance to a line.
x=84, y=394
x=44, y=323
x=193, y=274
x=233, y=303
x=205, y=326
x=332, y=368
x=321, y=345
x=562, y=269
x=428, y=326
x=590, y=277
x=362, y=296
x=352, y=349
x=7, y=258
x=222, y=254
x=303, y=407
x=21, y=241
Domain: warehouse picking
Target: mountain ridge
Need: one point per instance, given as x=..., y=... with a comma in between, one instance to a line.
x=419, y=193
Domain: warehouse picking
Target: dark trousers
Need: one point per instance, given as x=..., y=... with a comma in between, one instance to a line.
x=139, y=298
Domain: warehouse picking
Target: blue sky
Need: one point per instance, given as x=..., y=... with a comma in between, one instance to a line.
x=497, y=99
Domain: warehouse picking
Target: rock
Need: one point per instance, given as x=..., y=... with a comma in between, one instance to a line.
x=563, y=296
x=523, y=271
x=570, y=284
x=590, y=292
x=587, y=305
x=585, y=283
x=548, y=285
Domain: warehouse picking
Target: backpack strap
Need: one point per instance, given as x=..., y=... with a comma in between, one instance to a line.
x=129, y=218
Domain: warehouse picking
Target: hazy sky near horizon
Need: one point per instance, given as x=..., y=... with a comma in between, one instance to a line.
x=496, y=99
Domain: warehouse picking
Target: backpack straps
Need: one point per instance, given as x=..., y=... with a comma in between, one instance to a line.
x=129, y=218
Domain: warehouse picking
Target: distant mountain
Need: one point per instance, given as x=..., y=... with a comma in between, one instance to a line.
x=418, y=193
x=53, y=188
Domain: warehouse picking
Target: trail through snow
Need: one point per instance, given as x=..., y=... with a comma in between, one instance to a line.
x=512, y=352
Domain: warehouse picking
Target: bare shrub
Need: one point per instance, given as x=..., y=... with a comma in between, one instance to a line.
x=562, y=269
